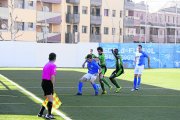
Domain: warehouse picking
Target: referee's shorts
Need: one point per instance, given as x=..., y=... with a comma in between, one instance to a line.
x=47, y=87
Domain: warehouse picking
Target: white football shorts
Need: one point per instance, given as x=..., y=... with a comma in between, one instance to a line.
x=138, y=69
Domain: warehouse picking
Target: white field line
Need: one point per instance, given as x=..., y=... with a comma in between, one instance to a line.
x=91, y=88
x=35, y=97
x=12, y=103
x=121, y=106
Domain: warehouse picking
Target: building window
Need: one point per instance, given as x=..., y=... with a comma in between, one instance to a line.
x=19, y=26
x=106, y=30
x=121, y=14
x=84, y=10
x=173, y=20
x=168, y=19
x=130, y=13
x=19, y=3
x=30, y=3
x=114, y=13
x=84, y=29
x=113, y=31
x=120, y=31
x=75, y=9
x=106, y=12
x=75, y=28
x=98, y=12
x=30, y=26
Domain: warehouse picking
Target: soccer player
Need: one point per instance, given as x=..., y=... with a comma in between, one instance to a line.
x=102, y=64
x=93, y=56
x=119, y=69
x=93, y=71
x=48, y=81
x=139, y=67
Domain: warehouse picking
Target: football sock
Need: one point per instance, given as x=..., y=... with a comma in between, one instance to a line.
x=42, y=110
x=104, y=80
x=139, y=81
x=49, y=105
x=102, y=86
x=80, y=85
x=95, y=87
x=114, y=82
x=135, y=82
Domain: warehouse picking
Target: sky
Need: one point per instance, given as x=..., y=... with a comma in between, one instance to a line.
x=154, y=5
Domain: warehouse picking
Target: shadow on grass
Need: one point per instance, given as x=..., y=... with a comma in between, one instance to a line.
x=149, y=103
x=14, y=104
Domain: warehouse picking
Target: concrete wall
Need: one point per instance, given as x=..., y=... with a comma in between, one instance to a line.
x=30, y=54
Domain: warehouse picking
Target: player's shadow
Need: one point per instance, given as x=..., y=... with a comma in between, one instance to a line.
x=66, y=88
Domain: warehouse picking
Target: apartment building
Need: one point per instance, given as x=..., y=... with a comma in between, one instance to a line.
x=93, y=21
x=63, y=21
x=140, y=25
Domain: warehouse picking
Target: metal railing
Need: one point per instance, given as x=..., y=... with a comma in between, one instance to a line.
x=95, y=38
x=72, y=18
x=73, y=1
x=96, y=2
x=97, y=20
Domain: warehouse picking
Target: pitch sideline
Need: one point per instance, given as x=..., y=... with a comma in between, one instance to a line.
x=35, y=97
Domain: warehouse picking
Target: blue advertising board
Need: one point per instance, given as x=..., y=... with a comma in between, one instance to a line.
x=161, y=55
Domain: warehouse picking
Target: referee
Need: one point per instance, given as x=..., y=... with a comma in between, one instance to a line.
x=48, y=80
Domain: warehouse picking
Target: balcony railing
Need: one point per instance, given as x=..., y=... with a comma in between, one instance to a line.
x=130, y=21
x=52, y=1
x=72, y=37
x=96, y=2
x=72, y=18
x=97, y=20
x=73, y=1
x=4, y=13
x=50, y=17
x=134, y=38
x=95, y=38
x=48, y=37
x=170, y=24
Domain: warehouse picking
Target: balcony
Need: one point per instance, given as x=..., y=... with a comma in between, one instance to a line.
x=96, y=20
x=170, y=25
x=134, y=38
x=72, y=37
x=72, y=18
x=73, y=1
x=49, y=17
x=4, y=13
x=96, y=2
x=156, y=24
x=48, y=37
x=95, y=38
x=130, y=22
x=52, y=1
x=157, y=38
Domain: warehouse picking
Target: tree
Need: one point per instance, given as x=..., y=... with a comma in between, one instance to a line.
x=13, y=20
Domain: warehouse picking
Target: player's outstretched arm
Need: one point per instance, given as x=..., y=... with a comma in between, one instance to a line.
x=149, y=62
x=114, y=54
x=83, y=65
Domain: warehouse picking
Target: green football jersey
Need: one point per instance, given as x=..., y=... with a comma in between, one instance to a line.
x=102, y=60
x=119, y=62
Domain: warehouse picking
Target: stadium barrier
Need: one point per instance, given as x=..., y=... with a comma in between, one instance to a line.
x=161, y=55
x=31, y=54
